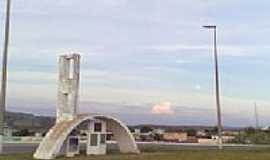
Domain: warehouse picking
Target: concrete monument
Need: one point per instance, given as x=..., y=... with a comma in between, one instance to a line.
x=62, y=138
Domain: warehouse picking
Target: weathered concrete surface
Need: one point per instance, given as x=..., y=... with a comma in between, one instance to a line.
x=51, y=145
x=68, y=87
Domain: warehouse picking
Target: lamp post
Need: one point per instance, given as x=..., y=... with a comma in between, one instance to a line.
x=4, y=75
x=256, y=117
x=213, y=27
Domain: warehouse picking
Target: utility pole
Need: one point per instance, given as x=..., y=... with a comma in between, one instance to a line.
x=256, y=116
x=4, y=75
x=212, y=27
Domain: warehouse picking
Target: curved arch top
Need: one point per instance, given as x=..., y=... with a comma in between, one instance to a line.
x=51, y=145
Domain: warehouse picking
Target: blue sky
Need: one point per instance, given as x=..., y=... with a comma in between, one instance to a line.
x=144, y=61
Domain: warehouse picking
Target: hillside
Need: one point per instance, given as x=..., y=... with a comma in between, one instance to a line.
x=28, y=121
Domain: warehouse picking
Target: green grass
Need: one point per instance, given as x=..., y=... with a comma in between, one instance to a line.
x=173, y=155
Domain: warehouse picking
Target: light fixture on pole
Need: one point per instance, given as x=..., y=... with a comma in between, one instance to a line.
x=4, y=75
x=213, y=27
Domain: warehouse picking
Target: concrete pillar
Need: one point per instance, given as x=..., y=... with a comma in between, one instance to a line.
x=68, y=87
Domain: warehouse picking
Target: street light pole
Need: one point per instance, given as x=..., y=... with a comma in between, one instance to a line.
x=4, y=75
x=217, y=86
x=256, y=116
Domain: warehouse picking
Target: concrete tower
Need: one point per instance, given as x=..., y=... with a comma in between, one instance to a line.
x=68, y=87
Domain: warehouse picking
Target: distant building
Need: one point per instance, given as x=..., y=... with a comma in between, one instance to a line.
x=137, y=131
x=136, y=134
x=266, y=128
x=192, y=139
x=38, y=134
x=159, y=131
x=201, y=133
x=207, y=141
x=230, y=133
x=8, y=131
x=224, y=138
x=149, y=136
x=175, y=136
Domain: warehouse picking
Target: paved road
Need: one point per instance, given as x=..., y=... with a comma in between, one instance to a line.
x=19, y=147
x=144, y=146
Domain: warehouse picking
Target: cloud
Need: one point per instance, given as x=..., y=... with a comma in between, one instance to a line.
x=198, y=87
x=162, y=108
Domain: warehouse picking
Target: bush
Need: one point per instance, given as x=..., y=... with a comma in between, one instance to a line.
x=23, y=132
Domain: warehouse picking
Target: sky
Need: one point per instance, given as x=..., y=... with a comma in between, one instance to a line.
x=143, y=61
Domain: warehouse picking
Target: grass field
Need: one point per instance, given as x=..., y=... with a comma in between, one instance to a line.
x=174, y=155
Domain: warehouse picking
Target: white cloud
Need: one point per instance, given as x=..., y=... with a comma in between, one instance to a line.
x=198, y=87
x=162, y=108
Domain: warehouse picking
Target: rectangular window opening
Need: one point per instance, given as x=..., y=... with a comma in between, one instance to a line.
x=98, y=127
x=93, y=140
x=73, y=144
x=103, y=139
x=71, y=69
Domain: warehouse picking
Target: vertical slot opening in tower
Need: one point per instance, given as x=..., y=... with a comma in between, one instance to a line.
x=71, y=69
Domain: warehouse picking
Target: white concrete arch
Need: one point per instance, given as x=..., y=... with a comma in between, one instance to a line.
x=51, y=145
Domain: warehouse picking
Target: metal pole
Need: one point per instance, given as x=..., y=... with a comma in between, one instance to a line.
x=256, y=116
x=4, y=75
x=217, y=86
x=217, y=91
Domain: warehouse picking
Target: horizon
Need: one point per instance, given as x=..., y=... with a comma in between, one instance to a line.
x=132, y=118
x=145, y=124
x=143, y=61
